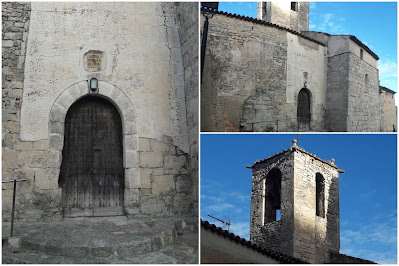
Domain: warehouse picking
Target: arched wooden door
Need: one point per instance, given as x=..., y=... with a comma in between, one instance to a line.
x=303, y=111
x=92, y=174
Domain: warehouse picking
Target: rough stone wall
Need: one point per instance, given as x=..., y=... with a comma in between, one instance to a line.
x=244, y=75
x=299, y=233
x=388, y=111
x=337, y=92
x=142, y=74
x=305, y=63
x=259, y=231
x=187, y=17
x=314, y=237
x=15, y=28
x=364, y=111
x=165, y=183
x=280, y=13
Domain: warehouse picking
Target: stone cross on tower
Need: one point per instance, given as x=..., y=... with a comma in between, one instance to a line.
x=295, y=205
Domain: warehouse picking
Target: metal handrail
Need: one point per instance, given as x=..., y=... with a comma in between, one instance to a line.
x=13, y=200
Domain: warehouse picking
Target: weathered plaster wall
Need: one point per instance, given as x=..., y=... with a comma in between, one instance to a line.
x=388, y=111
x=143, y=59
x=244, y=74
x=364, y=111
x=187, y=18
x=306, y=62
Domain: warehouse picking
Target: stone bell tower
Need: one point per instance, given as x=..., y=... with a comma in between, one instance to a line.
x=295, y=205
x=293, y=15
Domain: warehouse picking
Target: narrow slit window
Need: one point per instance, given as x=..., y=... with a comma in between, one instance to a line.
x=294, y=6
x=320, y=206
x=361, y=54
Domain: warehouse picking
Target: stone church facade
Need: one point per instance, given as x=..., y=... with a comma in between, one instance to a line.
x=273, y=74
x=142, y=115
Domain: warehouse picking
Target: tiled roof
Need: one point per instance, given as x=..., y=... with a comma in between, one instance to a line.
x=261, y=22
x=388, y=90
x=301, y=150
x=354, y=259
x=356, y=40
x=232, y=237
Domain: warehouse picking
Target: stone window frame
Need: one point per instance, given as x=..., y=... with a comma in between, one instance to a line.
x=128, y=115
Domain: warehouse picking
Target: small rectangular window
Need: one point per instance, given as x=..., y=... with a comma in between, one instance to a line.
x=320, y=195
x=361, y=54
x=294, y=6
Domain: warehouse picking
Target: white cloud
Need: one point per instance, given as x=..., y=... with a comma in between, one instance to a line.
x=388, y=68
x=240, y=229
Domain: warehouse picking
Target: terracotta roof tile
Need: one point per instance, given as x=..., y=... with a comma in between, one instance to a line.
x=388, y=90
x=272, y=254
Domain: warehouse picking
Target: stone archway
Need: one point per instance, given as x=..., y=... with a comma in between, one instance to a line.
x=129, y=131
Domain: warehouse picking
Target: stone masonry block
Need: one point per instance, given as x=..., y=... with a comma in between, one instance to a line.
x=131, y=142
x=151, y=159
x=175, y=164
x=57, y=113
x=46, y=178
x=145, y=177
x=144, y=144
x=56, y=142
x=130, y=117
x=56, y=127
x=10, y=159
x=132, y=197
x=131, y=160
x=130, y=128
x=132, y=178
x=40, y=145
x=163, y=184
x=184, y=184
x=160, y=146
x=23, y=145
x=13, y=127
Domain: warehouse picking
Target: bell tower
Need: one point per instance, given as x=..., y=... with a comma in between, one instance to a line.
x=293, y=15
x=295, y=205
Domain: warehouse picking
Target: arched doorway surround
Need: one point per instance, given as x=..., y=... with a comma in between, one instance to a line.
x=127, y=113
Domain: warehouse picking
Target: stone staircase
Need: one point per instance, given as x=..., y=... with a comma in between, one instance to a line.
x=102, y=240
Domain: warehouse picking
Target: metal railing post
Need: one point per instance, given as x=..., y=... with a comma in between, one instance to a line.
x=13, y=208
x=13, y=201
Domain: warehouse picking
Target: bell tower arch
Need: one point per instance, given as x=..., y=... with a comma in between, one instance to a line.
x=304, y=188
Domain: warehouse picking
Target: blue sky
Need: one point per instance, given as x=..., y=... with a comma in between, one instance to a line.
x=373, y=23
x=368, y=188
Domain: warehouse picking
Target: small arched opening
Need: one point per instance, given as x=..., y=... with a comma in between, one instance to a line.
x=303, y=109
x=273, y=196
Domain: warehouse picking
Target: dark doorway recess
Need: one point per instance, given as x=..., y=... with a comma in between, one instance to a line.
x=303, y=111
x=92, y=174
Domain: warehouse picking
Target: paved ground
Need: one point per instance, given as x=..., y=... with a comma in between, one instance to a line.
x=103, y=240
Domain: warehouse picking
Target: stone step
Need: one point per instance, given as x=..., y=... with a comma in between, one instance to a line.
x=97, y=237
x=183, y=251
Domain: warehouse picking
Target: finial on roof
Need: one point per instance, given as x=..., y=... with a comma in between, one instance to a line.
x=294, y=141
x=332, y=160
